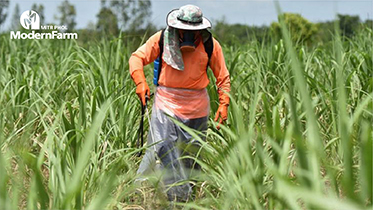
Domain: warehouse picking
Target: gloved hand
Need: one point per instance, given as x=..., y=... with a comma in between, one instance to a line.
x=222, y=113
x=142, y=89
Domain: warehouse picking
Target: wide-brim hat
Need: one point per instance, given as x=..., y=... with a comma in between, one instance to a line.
x=188, y=17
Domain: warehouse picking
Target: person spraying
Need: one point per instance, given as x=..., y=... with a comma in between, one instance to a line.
x=182, y=52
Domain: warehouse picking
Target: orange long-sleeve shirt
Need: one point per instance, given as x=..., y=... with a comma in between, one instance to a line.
x=194, y=75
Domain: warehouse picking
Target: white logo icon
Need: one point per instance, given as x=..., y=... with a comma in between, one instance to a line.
x=30, y=18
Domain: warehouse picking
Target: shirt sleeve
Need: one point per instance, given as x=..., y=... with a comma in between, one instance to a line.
x=144, y=55
x=223, y=82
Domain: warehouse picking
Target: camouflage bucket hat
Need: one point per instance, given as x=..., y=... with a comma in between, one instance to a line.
x=188, y=17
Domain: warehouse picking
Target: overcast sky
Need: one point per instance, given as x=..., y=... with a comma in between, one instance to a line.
x=250, y=12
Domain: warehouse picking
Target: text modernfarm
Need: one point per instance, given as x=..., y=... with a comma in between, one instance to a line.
x=33, y=35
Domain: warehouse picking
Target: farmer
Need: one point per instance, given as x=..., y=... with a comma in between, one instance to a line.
x=188, y=48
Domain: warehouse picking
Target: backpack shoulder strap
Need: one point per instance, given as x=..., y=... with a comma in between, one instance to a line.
x=158, y=61
x=209, y=48
x=161, y=44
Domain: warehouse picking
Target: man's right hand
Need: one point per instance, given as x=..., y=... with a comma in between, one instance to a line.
x=142, y=90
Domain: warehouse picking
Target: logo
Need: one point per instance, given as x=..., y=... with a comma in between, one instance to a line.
x=30, y=18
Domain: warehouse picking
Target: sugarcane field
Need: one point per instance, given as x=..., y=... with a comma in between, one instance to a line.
x=199, y=105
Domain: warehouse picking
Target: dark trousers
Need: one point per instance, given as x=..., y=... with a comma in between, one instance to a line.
x=173, y=144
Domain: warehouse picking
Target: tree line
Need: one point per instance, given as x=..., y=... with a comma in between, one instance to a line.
x=133, y=19
x=300, y=28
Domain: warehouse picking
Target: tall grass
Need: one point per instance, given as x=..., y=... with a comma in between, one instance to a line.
x=299, y=133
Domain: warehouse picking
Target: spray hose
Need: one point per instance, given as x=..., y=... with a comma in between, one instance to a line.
x=140, y=135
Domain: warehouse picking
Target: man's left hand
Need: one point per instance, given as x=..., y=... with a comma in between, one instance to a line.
x=221, y=115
